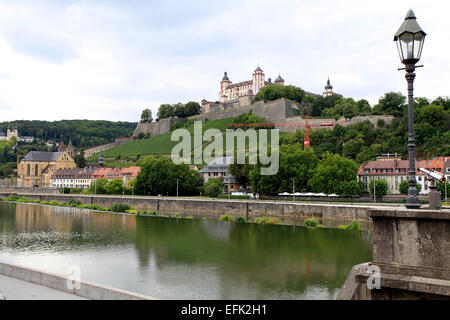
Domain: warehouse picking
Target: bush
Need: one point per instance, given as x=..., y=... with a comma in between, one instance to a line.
x=120, y=208
x=132, y=211
x=213, y=187
x=226, y=217
x=311, y=223
x=73, y=203
x=354, y=225
x=240, y=219
x=267, y=220
x=54, y=203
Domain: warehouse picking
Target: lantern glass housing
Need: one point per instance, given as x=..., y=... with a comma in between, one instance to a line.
x=409, y=39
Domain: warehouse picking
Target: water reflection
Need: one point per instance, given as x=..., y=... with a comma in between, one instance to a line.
x=183, y=259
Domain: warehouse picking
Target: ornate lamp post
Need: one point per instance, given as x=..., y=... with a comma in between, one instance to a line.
x=409, y=39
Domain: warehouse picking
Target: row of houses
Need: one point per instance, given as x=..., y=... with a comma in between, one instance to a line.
x=84, y=177
x=394, y=170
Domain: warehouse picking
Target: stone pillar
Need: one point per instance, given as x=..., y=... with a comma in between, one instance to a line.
x=411, y=248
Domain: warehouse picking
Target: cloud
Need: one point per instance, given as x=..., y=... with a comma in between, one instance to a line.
x=109, y=60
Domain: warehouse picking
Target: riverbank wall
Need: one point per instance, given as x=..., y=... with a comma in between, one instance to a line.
x=249, y=209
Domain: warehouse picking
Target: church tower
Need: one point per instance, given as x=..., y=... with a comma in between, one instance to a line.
x=223, y=85
x=70, y=149
x=328, y=89
x=258, y=80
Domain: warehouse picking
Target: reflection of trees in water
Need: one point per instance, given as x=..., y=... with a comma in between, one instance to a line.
x=278, y=257
x=37, y=227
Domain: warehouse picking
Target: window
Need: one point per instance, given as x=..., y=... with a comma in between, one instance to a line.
x=28, y=170
x=36, y=167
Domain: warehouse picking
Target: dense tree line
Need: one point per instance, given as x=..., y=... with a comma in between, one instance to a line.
x=179, y=110
x=274, y=92
x=83, y=133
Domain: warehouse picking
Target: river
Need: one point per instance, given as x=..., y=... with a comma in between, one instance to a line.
x=171, y=258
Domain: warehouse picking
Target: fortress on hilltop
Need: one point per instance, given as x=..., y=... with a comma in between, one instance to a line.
x=239, y=98
x=241, y=94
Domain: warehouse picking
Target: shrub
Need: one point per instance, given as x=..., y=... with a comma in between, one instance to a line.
x=177, y=215
x=153, y=213
x=213, y=187
x=267, y=220
x=54, y=203
x=73, y=203
x=240, y=219
x=226, y=217
x=354, y=225
x=132, y=211
x=311, y=223
x=120, y=208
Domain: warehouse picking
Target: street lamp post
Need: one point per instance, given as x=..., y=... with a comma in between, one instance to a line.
x=409, y=39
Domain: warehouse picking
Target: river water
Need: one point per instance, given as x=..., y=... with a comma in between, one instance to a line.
x=172, y=258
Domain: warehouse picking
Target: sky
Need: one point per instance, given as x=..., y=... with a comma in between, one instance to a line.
x=108, y=60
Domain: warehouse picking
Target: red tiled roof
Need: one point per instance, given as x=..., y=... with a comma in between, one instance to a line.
x=382, y=167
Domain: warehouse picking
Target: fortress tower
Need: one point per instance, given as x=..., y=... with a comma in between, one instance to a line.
x=258, y=80
x=328, y=89
x=224, y=85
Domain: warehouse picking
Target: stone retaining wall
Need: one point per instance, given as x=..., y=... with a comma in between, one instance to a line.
x=215, y=207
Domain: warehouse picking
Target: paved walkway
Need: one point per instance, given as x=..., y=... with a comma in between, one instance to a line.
x=15, y=289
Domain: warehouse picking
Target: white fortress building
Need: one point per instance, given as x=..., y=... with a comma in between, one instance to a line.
x=232, y=91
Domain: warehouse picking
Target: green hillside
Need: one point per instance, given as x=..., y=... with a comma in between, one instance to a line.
x=157, y=145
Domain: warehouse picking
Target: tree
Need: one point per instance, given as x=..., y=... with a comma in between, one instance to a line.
x=391, y=103
x=321, y=103
x=295, y=163
x=404, y=186
x=271, y=93
x=98, y=186
x=192, y=108
x=80, y=160
x=381, y=187
x=146, y=115
x=114, y=186
x=332, y=170
x=349, y=188
x=213, y=187
x=159, y=176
